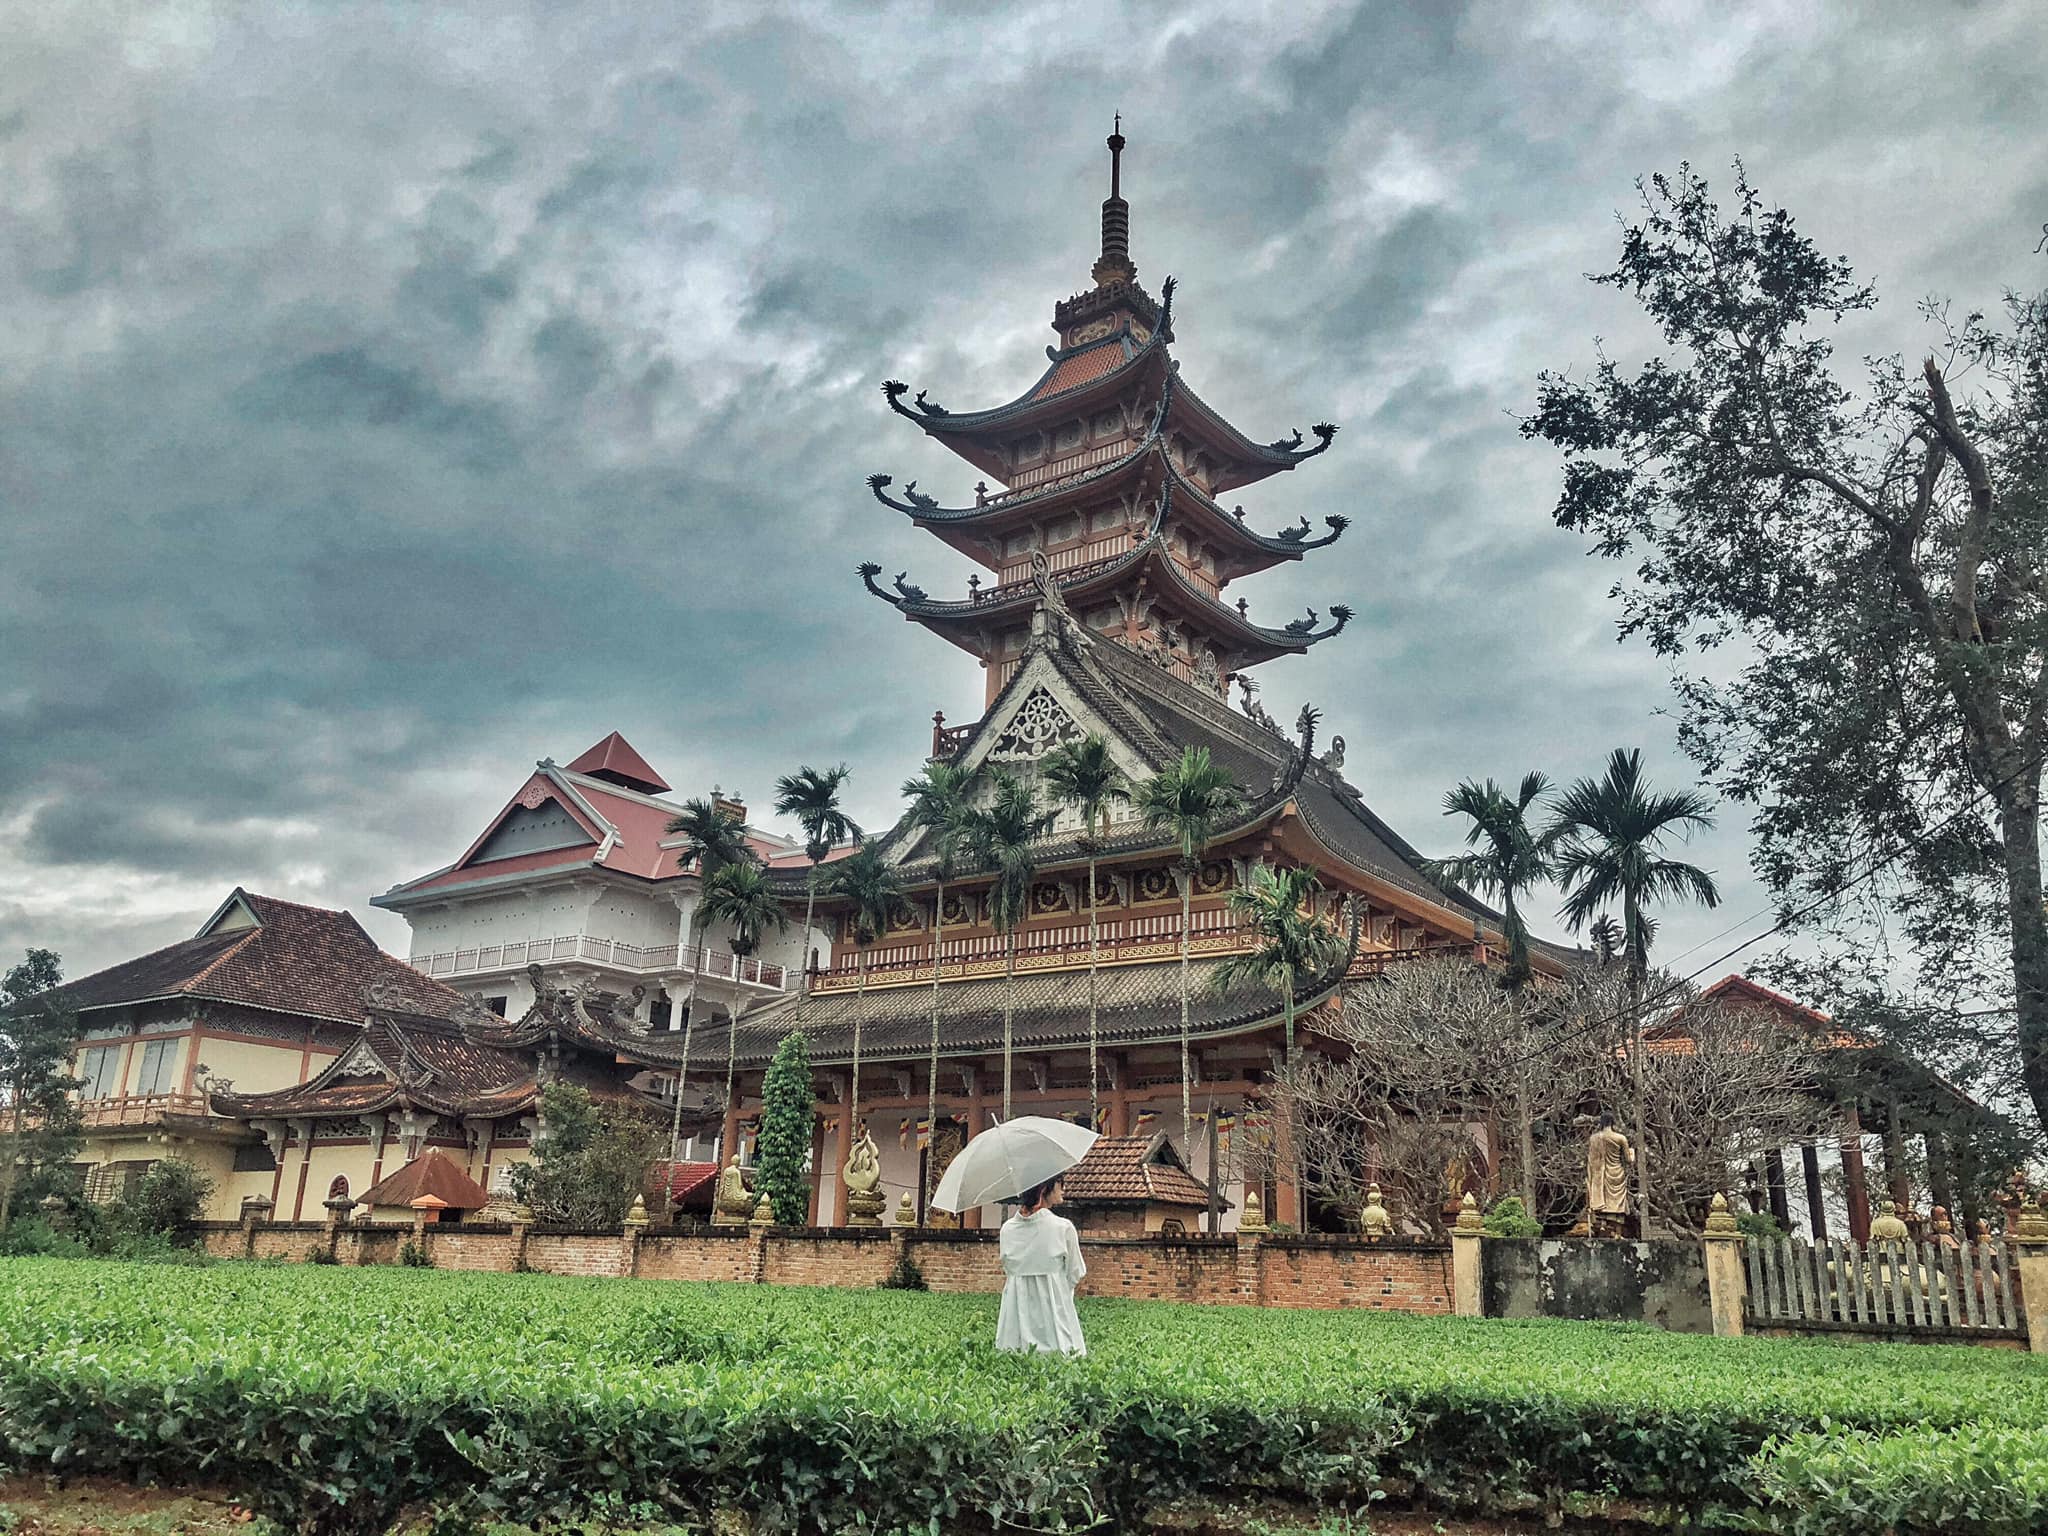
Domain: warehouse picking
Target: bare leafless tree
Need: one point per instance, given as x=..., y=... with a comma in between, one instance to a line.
x=1423, y=1067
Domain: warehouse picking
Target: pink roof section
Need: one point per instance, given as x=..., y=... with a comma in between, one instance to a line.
x=1079, y=369
x=614, y=759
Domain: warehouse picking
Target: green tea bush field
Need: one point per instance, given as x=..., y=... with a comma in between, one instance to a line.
x=332, y=1398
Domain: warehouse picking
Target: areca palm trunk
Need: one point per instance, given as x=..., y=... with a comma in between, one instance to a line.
x=1009, y=1015
x=1293, y=1131
x=1187, y=1098
x=1094, y=965
x=931, y=1092
x=810, y=910
x=860, y=1013
x=1632, y=921
x=689, y=1017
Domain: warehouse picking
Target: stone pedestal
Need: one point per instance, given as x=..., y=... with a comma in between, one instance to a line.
x=1725, y=1281
x=2030, y=1239
x=864, y=1207
x=1467, y=1236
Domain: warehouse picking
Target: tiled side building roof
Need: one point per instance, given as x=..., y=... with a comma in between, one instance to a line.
x=283, y=956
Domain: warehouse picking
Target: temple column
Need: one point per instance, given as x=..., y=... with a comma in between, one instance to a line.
x=817, y=1166
x=1774, y=1187
x=1941, y=1187
x=1816, y=1203
x=1897, y=1181
x=305, y=1129
x=1119, y=1094
x=842, y=1149
x=1857, y=1191
x=976, y=1120
x=729, y=1130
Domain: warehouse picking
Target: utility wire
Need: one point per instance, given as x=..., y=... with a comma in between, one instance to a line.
x=1789, y=919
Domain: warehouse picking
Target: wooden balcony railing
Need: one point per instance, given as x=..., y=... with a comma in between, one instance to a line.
x=640, y=959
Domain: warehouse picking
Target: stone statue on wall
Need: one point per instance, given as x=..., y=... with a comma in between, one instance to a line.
x=731, y=1205
x=863, y=1175
x=1608, y=1160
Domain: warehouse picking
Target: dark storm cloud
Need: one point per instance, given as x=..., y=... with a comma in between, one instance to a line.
x=391, y=398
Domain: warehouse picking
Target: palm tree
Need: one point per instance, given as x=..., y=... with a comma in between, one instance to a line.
x=1277, y=909
x=1083, y=774
x=1609, y=832
x=1003, y=835
x=740, y=897
x=811, y=795
x=1191, y=800
x=874, y=890
x=712, y=838
x=939, y=804
x=1510, y=858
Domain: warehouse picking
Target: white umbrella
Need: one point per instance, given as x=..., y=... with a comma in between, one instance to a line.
x=1004, y=1161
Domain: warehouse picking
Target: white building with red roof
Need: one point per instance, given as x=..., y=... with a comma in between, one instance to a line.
x=578, y=871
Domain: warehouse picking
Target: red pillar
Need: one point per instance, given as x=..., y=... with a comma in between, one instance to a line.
x=842, y=1149
x=1852, y=1174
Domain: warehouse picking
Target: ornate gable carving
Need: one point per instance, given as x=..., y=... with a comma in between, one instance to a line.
x=361, y=1061
x=1040, y=724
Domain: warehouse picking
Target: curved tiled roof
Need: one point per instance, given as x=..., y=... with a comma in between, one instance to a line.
x=311, y=961
x=431, y=1173
x=1133, y=1170
x=428, y=1063
x=1136, y=1004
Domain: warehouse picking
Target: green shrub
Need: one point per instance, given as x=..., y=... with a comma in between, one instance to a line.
x=414, y=1255
x=904, y=1275
x=788, y=1110
x=1508, y=1217
x=1759, y=1224
x=544, y=1398
x=167, y=1199
x=591, y=1162
x=320, y=1253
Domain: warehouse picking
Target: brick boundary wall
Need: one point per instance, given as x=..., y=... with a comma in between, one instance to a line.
x=1246, y=1270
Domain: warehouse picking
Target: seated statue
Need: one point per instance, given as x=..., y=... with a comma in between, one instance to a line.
x=731, y=1204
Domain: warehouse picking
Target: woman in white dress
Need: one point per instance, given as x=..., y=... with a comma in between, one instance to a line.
x=1041, y=1266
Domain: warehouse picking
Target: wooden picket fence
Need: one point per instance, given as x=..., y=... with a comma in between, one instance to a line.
x=1970, y=1288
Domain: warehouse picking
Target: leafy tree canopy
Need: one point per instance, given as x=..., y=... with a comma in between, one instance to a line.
x=1869, y=548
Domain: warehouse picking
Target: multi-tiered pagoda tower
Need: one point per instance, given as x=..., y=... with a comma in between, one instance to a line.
x=1110, y=546
x=1113, y=473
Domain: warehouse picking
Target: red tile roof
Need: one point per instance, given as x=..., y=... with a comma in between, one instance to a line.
x=1143, y=1170
x=430, y=1174
x=614, y=758
x=1080, y=368
x=296, y=959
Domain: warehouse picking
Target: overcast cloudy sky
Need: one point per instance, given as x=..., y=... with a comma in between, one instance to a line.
x=391, y=395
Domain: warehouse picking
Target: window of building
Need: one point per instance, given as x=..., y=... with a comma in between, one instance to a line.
x=497, y=1004
x=98, y=1071
x=255, y=1158
x=115, y=1181
x=661, y=1012
x=153, y=1072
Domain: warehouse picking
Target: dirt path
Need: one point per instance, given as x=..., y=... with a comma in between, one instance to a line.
x=95, y=1506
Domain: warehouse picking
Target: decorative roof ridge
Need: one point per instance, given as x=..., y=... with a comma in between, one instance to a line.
x=334, y=1068
x=1278, y=543
x=607, y=787
x=935, y=418
x=193, y=982
x=1288, y=638
x=1283, y=452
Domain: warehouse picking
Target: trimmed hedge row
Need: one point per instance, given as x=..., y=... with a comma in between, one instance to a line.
x=333, y=1398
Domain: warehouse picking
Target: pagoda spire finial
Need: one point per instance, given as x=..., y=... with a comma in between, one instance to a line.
x=1114, y=264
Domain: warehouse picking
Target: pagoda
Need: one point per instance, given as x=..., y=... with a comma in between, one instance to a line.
x=1111, y=510
x=1106, y=619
